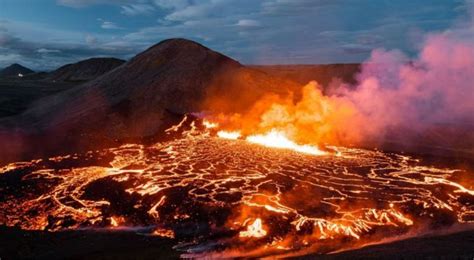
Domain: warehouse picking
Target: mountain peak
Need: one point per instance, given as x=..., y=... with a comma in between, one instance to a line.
x=15, y=70
x=184, y=50
x=180, y=42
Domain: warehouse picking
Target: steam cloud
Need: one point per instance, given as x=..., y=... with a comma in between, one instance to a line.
x=436, y=88
x=395, y=97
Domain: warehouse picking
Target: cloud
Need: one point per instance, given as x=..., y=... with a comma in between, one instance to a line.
x=19, y=44
x=248, y=23
x=190, y=12
x=84, y=3
x=295, y=7
x=265, y=31
x=128, y=7
x=90, y=39
x=109, y=25
x=172, y=4
x=9, y=58
x=137, y=9
x=6, y=39
x=44, y=50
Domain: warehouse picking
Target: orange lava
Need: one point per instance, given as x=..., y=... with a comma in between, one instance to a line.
x=273, y=139
x=254, y=230
x=249, y=199
x=276, y=139
x=234, y=135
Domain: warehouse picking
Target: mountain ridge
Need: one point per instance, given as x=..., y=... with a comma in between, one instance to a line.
x=84, y=70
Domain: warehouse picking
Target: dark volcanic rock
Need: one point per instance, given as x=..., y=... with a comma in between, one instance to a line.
x=14, y=70
x=139, y=98
x=36, y=76
x=85, y=70
x=17, y=94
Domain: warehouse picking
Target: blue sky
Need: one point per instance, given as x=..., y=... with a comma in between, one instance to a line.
x=44, y=34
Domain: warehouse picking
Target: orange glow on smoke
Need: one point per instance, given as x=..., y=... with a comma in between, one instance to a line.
x=286, y=122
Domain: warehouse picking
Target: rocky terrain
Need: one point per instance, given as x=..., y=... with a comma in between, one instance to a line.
x=19, y=244
x=17, y=94
x=84, y=70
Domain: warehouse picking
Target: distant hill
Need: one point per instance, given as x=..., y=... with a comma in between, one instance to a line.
x=15, y=70
x=85, y=70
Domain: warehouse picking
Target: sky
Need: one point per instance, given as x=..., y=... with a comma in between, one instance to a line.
x=45, y=34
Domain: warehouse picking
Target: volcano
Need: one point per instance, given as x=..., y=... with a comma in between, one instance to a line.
x=15, y=70
x=139, y=98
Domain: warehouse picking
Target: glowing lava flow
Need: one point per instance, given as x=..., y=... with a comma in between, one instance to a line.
x=233, y=195
x=273, y=139
x=209, y=124
x=228, y=135
x=254, y=230
x=276, y=139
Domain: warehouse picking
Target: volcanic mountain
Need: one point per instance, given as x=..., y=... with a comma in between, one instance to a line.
x=85, y=70
x=138, y=98
x=14, y=70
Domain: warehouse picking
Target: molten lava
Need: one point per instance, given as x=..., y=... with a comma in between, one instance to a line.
x=277, y=139
x=274, y=139
x=209, y=125
x=254, y=230
x=215, y=194
x=228, y=135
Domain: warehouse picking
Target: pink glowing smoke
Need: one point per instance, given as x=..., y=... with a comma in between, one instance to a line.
x=436, y=88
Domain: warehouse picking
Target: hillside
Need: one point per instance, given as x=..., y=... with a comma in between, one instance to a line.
x=85, y=70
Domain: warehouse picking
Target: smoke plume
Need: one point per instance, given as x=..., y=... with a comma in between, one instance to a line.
x=395, y=97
